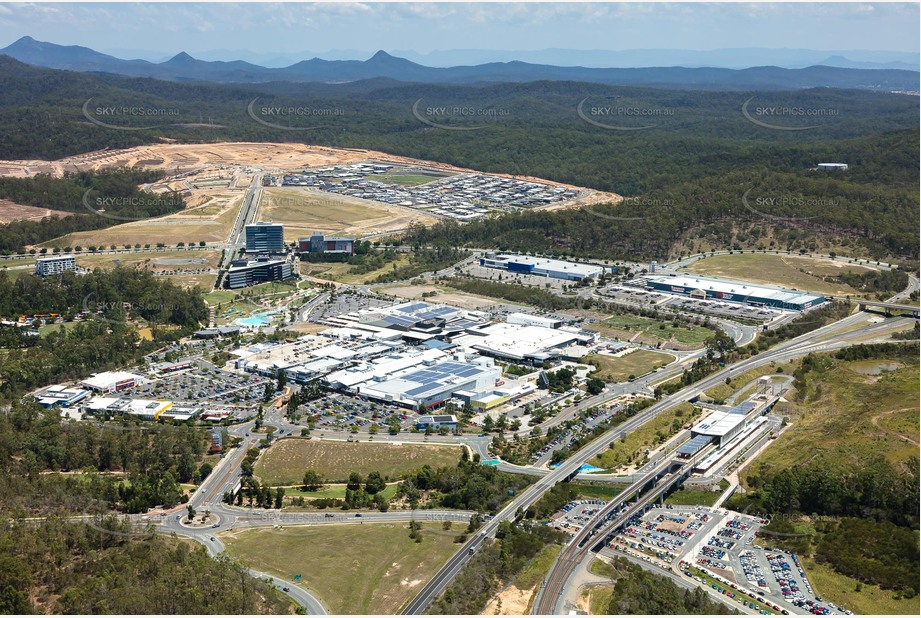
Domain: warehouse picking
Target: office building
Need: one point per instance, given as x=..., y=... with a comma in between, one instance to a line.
x=245, y=273
x=265, y=236
x=54, y=265
x=320, y=243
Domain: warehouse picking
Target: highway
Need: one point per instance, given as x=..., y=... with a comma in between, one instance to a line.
x=783, y=352
x=601, y=525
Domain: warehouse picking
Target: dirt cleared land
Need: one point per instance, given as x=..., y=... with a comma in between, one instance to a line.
x=286, y=461
x=11, y=211
x=303, y=211
x=352, y=568
x=186, y=157
x=446, y=295
x=206, y=160
x=175, y=259
x=185, y=226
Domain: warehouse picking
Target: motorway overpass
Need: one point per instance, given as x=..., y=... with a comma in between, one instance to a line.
x=596, y=534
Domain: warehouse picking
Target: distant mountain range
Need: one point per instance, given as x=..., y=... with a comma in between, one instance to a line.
x=183, y=67
x=725, y=58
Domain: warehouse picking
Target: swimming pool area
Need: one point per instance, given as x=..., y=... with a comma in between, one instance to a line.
x=260, y=319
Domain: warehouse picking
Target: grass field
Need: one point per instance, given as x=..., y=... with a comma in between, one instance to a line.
x=270, y=289
x=203, y=281
x=631, y=449
x=354, y=569
x=334, y=491
x=165, y=259
x=539, y=566
x=406, y=180
x=285, y=461
x=9, y=263
x=53, y=328
x=722, y=390
x=303, y=212
x=650, y=331
x=851, y=416
x=691, y=497
x=168, y=230
x=612, y=369
x=340, y=271
x=599, y=491
x=602, y=568
x=842, y=590
x=802, y=273
x=597, y=599
x=219, y=296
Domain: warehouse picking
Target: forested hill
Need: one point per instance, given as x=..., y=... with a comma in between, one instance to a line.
x=689, y=156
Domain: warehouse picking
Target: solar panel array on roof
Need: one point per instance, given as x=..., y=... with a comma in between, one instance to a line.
x=462, y=323
x=414, y=307
x=399, y=320
x=743, y=408
x=438, y=312
x=694, y=445
x=421, y=389
x=433, y=377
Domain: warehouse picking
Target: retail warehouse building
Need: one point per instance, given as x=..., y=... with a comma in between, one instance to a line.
x=709, y=288
x=542, y=267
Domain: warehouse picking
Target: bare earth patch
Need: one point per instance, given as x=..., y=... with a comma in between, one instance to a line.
x=11, y=211
x=510, y=602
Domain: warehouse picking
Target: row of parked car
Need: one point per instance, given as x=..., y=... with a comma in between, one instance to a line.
x=751, y=568
x=722, y=543
x=746, y=597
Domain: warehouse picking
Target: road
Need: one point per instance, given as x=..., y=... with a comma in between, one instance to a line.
x=245, y=216
x=783, y=352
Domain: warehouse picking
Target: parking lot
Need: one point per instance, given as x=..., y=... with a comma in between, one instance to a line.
x=205, y=384
x=589, y=420
x=346, y=303
x=663, y=533
x=722, y=546
x=482, y=272
x=336, y=412
x=730, y=310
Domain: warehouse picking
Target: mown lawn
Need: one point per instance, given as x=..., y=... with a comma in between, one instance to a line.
x=285, y=462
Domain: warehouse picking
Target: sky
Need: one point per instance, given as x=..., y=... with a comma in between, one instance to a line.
x=168, y=28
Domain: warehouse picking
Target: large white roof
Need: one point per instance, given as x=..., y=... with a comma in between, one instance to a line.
x=718, y=424
x=740, y=288
x=585, y=270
